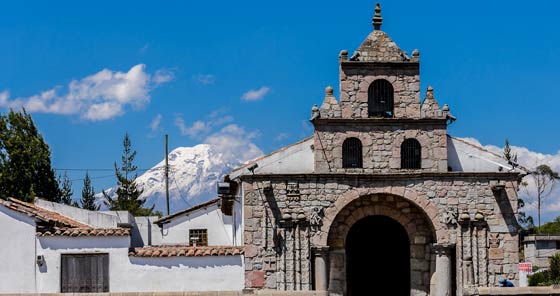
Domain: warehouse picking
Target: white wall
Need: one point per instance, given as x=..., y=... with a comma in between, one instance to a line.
x=220, y=230
x=463, y=157
x=93, y=218
x=212, y=273
x=136, y=274
x=17, y=252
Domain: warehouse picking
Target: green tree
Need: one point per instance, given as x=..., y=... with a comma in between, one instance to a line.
x=544, y=180
x=552, y=227
x=65, y=193
x=127, y=195
x=25, y=160
x=88, y=196
x=509, y=155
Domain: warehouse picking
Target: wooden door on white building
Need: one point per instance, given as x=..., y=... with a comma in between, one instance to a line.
x=84, y=273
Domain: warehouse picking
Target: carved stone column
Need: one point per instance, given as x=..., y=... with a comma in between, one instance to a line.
x=320, y=254
x=444, y=270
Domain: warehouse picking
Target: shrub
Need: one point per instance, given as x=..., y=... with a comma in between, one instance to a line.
x=540, y=279
x=554, y=261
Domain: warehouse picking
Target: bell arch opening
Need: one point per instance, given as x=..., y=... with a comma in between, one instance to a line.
x=377, y=257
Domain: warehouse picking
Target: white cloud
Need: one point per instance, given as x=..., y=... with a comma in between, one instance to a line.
x=531, y=159
x=255, y=94
x=281, y=136
x=163, y=76
x=195, y=129
x=235, y=143
x=205, y=79
x=144, y=48
x=198, y=128
x=101, y=96
x=155, y=125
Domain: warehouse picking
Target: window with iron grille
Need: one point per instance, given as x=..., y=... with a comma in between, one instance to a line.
x=198, y=237
x=84, y=273
x=352, y=153
x=380, y=99
x=411, y=157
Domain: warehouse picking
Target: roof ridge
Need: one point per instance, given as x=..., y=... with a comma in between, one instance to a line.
x=193, y=208
x=41, y=213
x=271, y=153
x=487, y=151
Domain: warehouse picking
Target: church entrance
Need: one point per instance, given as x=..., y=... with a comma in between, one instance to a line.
x=378, y=258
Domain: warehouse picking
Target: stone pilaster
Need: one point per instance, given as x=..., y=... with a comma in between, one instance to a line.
x=320, y=254
x=444, y=270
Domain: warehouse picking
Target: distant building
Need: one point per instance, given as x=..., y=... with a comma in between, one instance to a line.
x=539, y=248
x=49, y=248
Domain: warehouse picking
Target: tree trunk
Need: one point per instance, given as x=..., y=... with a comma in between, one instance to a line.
x=539, y=211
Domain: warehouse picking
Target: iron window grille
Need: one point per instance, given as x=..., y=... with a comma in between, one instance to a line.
x=352, y=153
x=411, y=154
x=198, y=237
x=380, y=99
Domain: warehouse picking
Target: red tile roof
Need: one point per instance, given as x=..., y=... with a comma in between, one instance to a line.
x=185, y=251
x=76, y=232
x=59, y=225
x=44, y=215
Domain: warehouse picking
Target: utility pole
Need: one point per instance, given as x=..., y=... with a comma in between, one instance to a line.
x=167, y=172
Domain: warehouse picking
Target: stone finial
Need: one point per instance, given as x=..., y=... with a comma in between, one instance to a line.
x=330, y=107
x=430, y=92
x=343, y=55
x=314, y=113
x=377, y=19
x=445, y=108
x=415, y=56
x=430, y=107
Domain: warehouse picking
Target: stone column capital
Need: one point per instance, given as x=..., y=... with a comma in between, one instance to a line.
x=320, y=250
x=443, y=249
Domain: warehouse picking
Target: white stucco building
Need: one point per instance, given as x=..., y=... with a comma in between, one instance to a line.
x=49, y=248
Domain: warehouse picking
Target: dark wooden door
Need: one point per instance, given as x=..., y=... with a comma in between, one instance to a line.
x=84, y=273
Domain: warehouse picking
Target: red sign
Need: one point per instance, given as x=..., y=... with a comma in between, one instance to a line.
x=526, y=267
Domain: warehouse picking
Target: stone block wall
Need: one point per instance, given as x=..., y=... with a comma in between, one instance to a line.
x=381, y=145
x=355, y=79
x=287, y=216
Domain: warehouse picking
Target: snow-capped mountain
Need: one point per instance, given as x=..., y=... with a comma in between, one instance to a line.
x=193, y=174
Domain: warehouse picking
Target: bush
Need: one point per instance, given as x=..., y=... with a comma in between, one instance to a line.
x=555, y=268
x=540, y=279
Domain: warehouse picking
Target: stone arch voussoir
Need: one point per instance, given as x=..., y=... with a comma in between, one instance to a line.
x=429, y=210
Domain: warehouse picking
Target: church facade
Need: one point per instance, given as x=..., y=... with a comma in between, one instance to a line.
x=380, y=197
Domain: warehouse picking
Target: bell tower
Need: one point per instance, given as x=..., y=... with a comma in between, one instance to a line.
x=380, y=125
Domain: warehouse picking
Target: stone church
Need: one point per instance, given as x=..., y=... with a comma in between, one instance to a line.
x=380, y=197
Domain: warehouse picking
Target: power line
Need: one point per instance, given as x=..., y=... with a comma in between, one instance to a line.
x=75, y=169
x=98, y=177
x=180, y=191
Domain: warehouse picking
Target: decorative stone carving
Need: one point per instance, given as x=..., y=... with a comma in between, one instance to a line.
x=464, y=217
x=267, y=187
x=269, y=263
x=494, y=240
x=292, y=191
x=251, y=197
x=479, y=216
x=449, y=217
x=316, y=218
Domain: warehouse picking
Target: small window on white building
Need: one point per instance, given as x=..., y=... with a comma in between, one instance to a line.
x=198, y=237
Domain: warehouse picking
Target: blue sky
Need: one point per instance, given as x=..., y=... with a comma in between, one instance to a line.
x=494, y=62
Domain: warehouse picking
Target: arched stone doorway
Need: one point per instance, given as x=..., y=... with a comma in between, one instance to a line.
x=377, y=255
x=400, y=238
